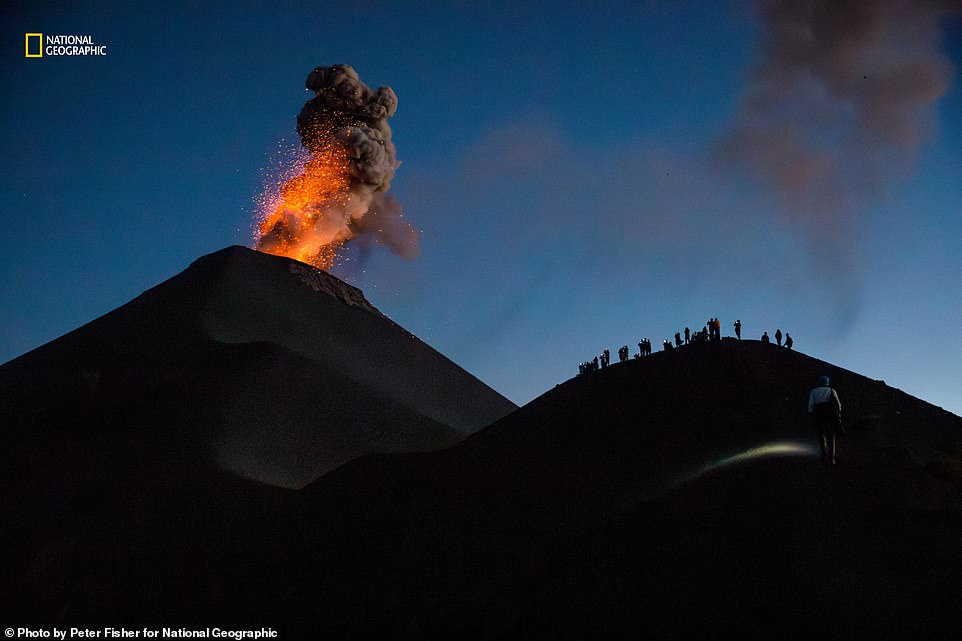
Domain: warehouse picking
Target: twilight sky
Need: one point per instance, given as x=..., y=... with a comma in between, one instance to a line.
x=583, y=174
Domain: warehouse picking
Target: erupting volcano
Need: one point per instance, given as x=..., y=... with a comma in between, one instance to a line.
x=342, y=174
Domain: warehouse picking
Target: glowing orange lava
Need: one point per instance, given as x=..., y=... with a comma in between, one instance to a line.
x=304, y=217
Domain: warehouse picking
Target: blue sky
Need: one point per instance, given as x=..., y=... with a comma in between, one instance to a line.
x=557, y=159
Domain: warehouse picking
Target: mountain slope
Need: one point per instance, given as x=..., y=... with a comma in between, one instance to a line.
x=679, y=495
x=274, y=369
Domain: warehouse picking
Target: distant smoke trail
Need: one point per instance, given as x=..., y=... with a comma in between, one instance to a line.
x=835, y=108
x=339, y=193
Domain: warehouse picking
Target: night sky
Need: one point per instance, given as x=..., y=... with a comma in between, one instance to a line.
x=582, y=176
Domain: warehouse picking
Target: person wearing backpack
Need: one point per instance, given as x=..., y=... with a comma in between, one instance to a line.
x=826, y=411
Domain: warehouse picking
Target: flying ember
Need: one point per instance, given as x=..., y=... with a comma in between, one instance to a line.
x=338, y=191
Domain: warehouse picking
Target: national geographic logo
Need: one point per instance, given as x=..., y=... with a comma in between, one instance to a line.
x=38, y=46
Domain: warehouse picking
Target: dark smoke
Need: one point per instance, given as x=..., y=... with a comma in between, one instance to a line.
x=383, y=225
x=835, y=109
x=347, y=113
x=357, y=115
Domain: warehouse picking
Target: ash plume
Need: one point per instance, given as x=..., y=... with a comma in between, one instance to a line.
x=835, y=109
x=339, y=194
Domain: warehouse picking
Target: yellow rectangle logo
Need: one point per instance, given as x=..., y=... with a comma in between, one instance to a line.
x=38, y=42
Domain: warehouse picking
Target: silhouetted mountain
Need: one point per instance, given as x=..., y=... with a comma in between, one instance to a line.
x=675, y=496
x=275, y=369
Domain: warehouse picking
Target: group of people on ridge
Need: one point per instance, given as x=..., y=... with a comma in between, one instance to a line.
x=823, y=403
x=778, y=338
x=710, y=332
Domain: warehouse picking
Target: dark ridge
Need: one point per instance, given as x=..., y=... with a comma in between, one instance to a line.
x=611, y=506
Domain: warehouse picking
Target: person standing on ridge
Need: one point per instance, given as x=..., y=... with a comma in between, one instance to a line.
x=826, y=411
x=738, y=329
x=687, y=335
x=778, y=337
x=765, y=338
x=788, y=341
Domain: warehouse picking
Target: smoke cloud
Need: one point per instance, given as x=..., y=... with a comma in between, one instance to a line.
x=339, y=194
x=836, y=108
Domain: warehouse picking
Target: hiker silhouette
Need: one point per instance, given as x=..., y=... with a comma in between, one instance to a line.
x=826, y=411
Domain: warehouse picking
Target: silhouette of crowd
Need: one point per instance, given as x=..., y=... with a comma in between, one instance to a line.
x=710, y=332
x=778, y=338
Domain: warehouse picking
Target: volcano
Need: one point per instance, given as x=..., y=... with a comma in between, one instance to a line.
x=678, y=495
x=274, y=369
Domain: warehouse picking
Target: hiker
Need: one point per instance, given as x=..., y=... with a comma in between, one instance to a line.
x=605, y=358
x=788, y=341
x=687, y=335
x=594, y=364
x=677, y=339
x=717, y=327
x=738, y=329
x=623, y=354
x=826, y=411
x=765, y=338
x=778, y=337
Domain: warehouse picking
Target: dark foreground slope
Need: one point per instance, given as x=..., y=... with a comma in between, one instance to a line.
x=676, y=496
x=273, y=369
